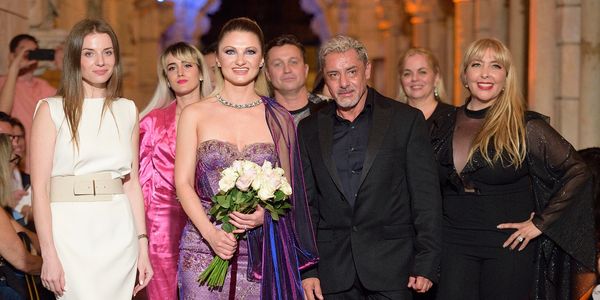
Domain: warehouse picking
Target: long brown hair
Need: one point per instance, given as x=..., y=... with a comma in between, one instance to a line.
x=504, y=125
x=261, y=87
x=71, y=83
x=5, y=169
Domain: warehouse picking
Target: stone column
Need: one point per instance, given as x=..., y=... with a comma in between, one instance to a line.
x=569, y=63
x=491, y=19
x=517, y=40
x=70, y=12
x=150, y=20
x=542, y=57
x=464, y=16
x=13, y=21
x=590, y=69
x=438, y=42
x=418, y=21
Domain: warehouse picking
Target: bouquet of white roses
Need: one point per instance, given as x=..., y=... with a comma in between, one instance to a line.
x=242, y=187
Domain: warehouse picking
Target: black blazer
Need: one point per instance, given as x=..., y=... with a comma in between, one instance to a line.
x=394, y=228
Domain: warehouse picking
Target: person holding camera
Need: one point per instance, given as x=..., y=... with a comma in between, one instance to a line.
x=20, y=90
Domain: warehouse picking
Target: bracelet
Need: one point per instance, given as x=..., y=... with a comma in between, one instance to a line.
x=142, y=236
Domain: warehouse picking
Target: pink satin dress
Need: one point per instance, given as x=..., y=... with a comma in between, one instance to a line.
x=165, y=217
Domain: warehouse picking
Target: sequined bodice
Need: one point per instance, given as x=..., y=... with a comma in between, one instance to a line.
x=214, y=155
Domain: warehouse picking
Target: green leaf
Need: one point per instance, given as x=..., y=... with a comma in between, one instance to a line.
x=279, y=195
x=227, y=227
x=223, y=201
x=274, y=216
x=213, y=210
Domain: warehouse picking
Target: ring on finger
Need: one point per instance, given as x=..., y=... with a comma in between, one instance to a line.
x=520, y=239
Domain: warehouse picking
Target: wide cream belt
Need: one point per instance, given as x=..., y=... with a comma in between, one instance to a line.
x=85, y=188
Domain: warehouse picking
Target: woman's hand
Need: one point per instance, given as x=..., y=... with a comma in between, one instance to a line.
x=145, y=272
x=525, y=232
x=224, y=244
x=245, y=222
x=53, y=276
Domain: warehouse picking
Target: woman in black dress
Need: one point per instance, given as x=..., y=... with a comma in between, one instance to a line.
x=421, y=84
x=517, y=215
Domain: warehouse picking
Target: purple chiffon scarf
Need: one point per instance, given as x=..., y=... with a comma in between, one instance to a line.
x=280, y=249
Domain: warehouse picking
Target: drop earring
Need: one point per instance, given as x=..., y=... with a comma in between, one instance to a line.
x=436, y=94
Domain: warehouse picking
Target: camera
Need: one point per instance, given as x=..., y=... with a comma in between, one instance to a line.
x=41, y=54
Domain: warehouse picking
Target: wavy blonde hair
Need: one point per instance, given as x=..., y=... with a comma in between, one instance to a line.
x=433, y=64
x=503, y=129
x=163, y=95
x=261, y=86
x=5, y=169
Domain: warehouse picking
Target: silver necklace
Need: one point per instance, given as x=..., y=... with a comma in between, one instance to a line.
x=238, y=106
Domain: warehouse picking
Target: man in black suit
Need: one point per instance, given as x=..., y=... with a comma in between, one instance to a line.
x=372, y=187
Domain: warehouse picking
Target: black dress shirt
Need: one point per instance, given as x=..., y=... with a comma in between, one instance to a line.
x=349, y=148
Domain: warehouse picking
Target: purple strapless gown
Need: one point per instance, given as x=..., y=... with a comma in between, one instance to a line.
x=195, y=253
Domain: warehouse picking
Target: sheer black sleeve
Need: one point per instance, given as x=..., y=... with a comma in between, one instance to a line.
x=561, y=184
x=556, y=163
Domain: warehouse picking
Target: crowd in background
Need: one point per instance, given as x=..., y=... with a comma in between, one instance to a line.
x=507, y=214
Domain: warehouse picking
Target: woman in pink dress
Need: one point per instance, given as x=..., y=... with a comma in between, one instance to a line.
x=181, y=81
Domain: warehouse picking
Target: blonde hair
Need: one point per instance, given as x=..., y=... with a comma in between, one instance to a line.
x=433, y=64
x=71, y=83
x=504, y=125
x=163, y=95
x=5, y=169
x=261, y=86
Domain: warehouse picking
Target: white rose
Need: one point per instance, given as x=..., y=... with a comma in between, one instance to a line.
x=266, y=193
x=257, y=182
x=228, y=179
x=249, y=166
x=266, y=167
x=230, y=173
x=285, y=187
x=272, y=181
x=237, y=166
x=245, y=180
x=226, y=184
x=279, y=171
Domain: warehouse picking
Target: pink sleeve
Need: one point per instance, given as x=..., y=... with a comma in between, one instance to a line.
x=147, y=127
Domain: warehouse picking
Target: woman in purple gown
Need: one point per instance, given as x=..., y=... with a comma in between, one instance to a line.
x=180, y=82
x=238, y=122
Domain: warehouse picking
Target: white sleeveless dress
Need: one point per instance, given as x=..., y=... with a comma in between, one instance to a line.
x=95, y=241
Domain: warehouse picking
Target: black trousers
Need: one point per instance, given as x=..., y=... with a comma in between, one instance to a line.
x=486, y=273
x=359, y=292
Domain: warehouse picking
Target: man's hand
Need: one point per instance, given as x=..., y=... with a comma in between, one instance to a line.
x=312, y=289
x=21, y=61
x=419, y=283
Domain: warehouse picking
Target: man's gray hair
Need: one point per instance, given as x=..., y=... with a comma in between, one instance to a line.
x=342, y=43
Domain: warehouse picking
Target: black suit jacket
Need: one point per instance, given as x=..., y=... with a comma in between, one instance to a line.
x=394, y=228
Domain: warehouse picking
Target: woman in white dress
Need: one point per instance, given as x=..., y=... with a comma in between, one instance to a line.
x=87, y=200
